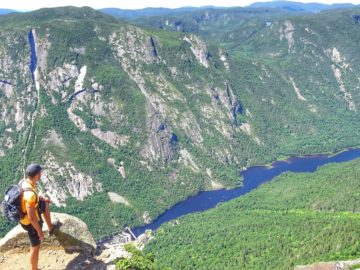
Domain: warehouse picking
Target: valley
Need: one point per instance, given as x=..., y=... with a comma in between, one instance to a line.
x=253, y=177
x=140, y=119
x=296, y=219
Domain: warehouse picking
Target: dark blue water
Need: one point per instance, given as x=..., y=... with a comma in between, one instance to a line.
x=33, y=58
x=5, y=82
x=253, y=177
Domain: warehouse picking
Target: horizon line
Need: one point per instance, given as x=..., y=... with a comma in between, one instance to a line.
x=187, y=6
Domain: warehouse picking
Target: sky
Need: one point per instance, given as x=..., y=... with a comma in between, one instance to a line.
x=135, y=4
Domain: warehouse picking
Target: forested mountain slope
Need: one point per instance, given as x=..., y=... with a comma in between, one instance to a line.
x=298, y=218
x=214, y=24
x=299, y=6
x=130, y=120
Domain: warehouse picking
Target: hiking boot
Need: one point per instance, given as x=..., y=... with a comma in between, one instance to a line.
x=55, y=227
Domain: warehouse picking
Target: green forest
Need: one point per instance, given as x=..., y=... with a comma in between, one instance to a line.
x=298, y=218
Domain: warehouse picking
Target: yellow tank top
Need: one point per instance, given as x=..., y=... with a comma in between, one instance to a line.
x=29, y=198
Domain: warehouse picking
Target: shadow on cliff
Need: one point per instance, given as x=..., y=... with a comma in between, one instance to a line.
x=85, y=259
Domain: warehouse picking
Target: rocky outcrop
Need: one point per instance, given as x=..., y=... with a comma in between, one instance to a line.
x=89, y=101
x=245, y=127
x=110, y=137
x=160, y=145
x=199, y=49
x=60, y=78
x=335, y=56
x=347, y=95
x=297, y=90
x=134, y=43
x=72, y=236
x=41, y=46
x=224, y=58
x=226, y=97
x=80, y=50
x=188, y=160
x=337, y=265
x=17, y=94
x=216, y=185
x=233, y=104
x=53, y=138
x=39, y=52
x=120, y=168
x=111, y=253
x=6, y=88
x=146, y=217
x=62, y=180
x=71, y=247
x=80, y=79
x=152, y=48
x=287, y=32
x=340, y=66
x=116, y=198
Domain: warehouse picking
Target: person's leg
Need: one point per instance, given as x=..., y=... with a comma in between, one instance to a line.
x=46, y=216
x=34, y=245
x=34, y=256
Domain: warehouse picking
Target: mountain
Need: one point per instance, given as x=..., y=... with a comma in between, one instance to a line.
x=130, y=14
x=298, y=218
x=129, y=120
x=213, y=24
x=6, y=11
x=299, y=6
x=133, y=14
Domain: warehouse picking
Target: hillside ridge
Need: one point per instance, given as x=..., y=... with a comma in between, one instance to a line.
x=134, y=119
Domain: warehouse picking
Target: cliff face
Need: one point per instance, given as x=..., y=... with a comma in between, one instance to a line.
x=118, y=111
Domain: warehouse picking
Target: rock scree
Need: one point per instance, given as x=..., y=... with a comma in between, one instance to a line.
x=70, y=247
x=336, y=265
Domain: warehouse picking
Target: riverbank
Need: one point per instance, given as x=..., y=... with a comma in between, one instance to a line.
x=295, y=219
x=253, y=177
x=287, y=157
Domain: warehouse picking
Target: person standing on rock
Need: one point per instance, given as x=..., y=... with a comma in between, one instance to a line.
x=36, y=209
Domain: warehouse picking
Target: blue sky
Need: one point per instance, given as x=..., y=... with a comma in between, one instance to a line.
x=133, y=4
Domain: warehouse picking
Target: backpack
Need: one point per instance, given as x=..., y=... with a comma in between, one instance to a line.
x=12, y=202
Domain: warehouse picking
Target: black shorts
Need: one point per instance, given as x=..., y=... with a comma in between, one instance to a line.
x=42, y=206
x=32, y=233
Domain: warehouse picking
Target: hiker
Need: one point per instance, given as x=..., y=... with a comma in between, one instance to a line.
x=36, y=210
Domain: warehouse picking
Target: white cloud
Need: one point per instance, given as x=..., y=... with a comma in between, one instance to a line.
x=133, y=4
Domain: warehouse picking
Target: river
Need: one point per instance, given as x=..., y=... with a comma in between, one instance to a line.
x=253, y=177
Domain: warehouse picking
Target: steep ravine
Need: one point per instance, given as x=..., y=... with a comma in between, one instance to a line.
x=33, y=57
x=34, y=74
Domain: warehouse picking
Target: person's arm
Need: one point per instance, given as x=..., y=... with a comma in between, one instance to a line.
x=31, y=212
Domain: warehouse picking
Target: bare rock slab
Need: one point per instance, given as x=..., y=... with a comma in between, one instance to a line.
x=72, y=236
